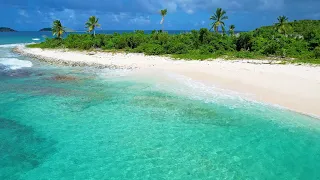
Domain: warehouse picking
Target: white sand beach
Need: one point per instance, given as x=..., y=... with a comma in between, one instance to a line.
x=291, y=86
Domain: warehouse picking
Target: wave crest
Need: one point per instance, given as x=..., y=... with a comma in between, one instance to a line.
x=12, y=45
x=14, y=63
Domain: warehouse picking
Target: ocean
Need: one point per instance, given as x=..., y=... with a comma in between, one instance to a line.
x=84, y=123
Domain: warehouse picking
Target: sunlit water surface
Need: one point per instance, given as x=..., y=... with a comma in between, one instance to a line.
x=83, y=123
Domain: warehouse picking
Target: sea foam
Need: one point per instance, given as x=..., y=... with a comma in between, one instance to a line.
x=13, y=45
x=14, y=63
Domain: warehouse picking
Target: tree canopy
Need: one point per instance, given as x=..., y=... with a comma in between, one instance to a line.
x=57, y=29
x=163, y=13
x=218, y=20
x=92, y=23
x=301, y=43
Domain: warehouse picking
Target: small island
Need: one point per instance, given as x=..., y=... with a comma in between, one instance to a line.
x=46, y=29
x=6, y=29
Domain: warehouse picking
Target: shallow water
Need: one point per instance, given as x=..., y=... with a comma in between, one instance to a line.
x=83, y=123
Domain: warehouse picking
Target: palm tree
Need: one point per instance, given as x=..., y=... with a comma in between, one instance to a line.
x=223, y=30
x=218, y=18
x=57, y=29
x=231, y=29
x=163, y=13
x=282, y=24
x=92, y=23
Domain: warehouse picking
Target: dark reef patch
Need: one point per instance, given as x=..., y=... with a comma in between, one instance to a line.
x=64, y=78
x=21, y=148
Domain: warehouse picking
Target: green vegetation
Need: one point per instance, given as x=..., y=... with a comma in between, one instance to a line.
x=91, y=24
x=231, y=29
x=297, y=41
x=6, y=29
x=282, y=26
x=163, y=13
x=57, y=29
x=218, y=18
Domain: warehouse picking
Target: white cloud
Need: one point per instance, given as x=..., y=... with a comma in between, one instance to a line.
x=271, y=4
x=23, y=13
x=171, y=6
x=201, y=23
x=153, y=6
x=119, y=17
x=189, y=11
x=140, y=20
x=193, y=6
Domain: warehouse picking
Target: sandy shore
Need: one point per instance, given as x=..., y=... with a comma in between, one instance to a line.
x=291, y=86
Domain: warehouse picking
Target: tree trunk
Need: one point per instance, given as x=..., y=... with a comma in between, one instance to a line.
x=163, y=26
x=94, y=33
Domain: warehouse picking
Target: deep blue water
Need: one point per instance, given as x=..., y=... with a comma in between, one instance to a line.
x=84, y=123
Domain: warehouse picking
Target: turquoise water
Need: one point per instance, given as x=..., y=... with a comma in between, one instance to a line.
x=84, y=123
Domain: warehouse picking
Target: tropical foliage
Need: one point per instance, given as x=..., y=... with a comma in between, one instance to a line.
x=231, y=29
x=300, y=43
x=282, y=26
x=92, y=23
x=57, y=29
x=163, y=13
x=218, y=17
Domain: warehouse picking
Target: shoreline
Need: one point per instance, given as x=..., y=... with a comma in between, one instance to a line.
x=293, y=87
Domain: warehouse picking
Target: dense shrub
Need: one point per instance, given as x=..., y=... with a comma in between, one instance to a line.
x=317, y=52
x=244, y=41
x=50, y=43
x=313, y=38
x=206, y=49
x=177, y=48
x=160, y=38
x=154, y=49
x=259, y=44
x=222, y=43
x=205, y=36
x=120, y=41
x=195, y=39
x=109, y=45
x=272, y=48
x=299, y=42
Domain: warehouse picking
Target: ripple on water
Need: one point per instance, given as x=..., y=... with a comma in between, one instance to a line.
x=21, y=149
x=118, y=129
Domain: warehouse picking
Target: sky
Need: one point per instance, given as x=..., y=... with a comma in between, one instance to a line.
x=144, y=14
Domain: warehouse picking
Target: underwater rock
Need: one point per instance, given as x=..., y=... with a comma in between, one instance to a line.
x=64, y=78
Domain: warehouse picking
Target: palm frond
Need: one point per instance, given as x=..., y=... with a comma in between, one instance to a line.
x=163, y=12
x=92, y=23
x=218, y=18
x=224, y=18
x=57, y=28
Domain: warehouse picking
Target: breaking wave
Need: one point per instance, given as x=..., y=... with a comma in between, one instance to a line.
x=14, y=63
